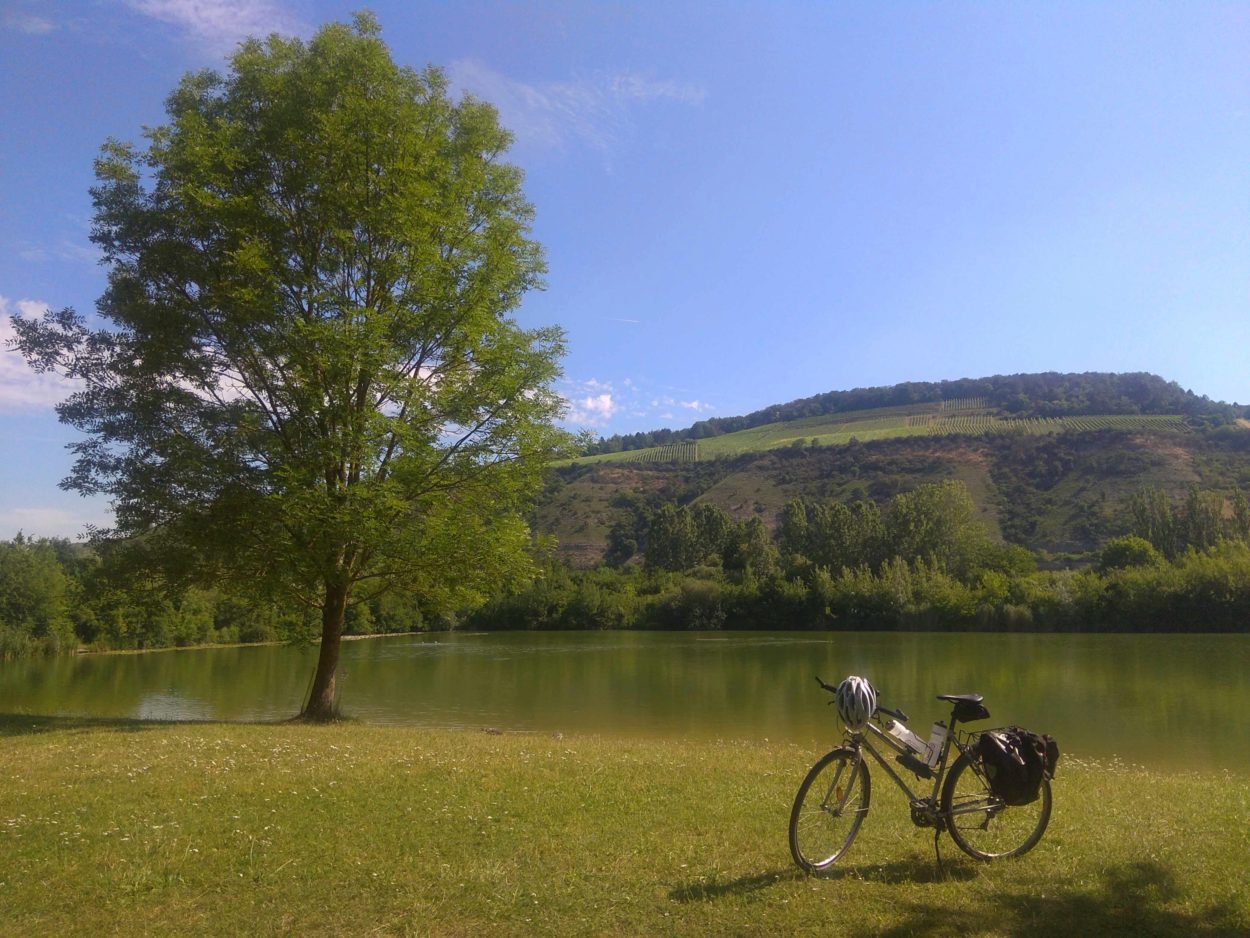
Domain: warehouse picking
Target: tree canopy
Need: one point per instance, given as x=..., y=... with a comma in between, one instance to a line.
x=307, y=379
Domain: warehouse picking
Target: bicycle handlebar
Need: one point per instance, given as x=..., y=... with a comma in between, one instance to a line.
x=828, y=687
x=897, y=714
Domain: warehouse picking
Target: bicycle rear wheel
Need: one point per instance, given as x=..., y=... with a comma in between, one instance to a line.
x=981, y=825
x=828, y=809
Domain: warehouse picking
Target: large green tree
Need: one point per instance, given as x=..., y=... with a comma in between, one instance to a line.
x=307, y=379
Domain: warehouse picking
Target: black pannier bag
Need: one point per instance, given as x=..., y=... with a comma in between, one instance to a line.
x=1015, y=761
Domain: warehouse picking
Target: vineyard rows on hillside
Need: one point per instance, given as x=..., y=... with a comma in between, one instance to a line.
x=685, y=451
x=960, y=404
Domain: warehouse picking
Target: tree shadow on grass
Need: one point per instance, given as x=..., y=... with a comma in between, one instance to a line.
x=27, y=724
x=1129, y=900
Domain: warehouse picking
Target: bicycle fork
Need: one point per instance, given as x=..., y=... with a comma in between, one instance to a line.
x=840, y=790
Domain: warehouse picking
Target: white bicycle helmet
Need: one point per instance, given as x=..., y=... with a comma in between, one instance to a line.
x=857, y=702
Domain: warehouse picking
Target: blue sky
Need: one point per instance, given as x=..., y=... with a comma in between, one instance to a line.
x=742, y=203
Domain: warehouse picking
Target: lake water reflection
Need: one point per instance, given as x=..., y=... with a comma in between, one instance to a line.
x=1161, y=700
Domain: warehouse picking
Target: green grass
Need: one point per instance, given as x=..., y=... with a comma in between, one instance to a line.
x=130, y=828
x=962, y=418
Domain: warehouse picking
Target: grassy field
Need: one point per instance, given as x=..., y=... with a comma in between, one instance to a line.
x=883, y=424
x=130, y=828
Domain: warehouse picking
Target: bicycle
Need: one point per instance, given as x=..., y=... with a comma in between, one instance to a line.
x=833, y=799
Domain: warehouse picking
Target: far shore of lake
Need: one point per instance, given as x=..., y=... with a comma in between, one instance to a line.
x=86, y=650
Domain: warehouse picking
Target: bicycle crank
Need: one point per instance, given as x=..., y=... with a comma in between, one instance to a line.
x=924, y=813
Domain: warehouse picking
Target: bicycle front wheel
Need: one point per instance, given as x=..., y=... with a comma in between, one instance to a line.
x=981, y=825
x=828, y=809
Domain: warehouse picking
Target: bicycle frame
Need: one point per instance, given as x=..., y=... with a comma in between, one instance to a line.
x=861, y=743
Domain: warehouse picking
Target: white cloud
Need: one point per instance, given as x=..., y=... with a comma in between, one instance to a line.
x=20, y=388
x=552, y=114
x=590, y=402
x=594, y=403
x=64, y=250
x=221, y=24
x=72, y=251
x=27, y=308
x=22, y=22
x=638, y=88
x=592, y=411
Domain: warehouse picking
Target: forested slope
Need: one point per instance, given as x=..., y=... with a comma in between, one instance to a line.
x=1054, y=494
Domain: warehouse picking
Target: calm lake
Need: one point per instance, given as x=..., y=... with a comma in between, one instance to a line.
x=1160, y=700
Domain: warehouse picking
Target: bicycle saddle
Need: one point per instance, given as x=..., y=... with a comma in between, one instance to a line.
x=968, y=707
x=961, y=698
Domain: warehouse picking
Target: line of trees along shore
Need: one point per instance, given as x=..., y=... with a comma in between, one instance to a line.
x=920, y=560
x=60, y=596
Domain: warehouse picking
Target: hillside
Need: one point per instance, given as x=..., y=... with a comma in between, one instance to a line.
x=1010, y=397
x=965, y=417
x=1057, y=484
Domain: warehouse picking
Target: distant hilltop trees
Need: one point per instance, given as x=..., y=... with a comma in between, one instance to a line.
x=1048, y=394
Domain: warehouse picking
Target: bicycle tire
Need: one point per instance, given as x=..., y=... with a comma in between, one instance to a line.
x=820, y=832
x=981, y=825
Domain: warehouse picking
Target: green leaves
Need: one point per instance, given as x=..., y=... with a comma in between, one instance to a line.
x=934, y=523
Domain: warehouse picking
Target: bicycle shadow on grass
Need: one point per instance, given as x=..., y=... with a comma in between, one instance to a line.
x=913, y=870
x=743, y=885
x=1129, y=900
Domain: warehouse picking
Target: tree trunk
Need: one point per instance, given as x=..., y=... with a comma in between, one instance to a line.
x=320, y=706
